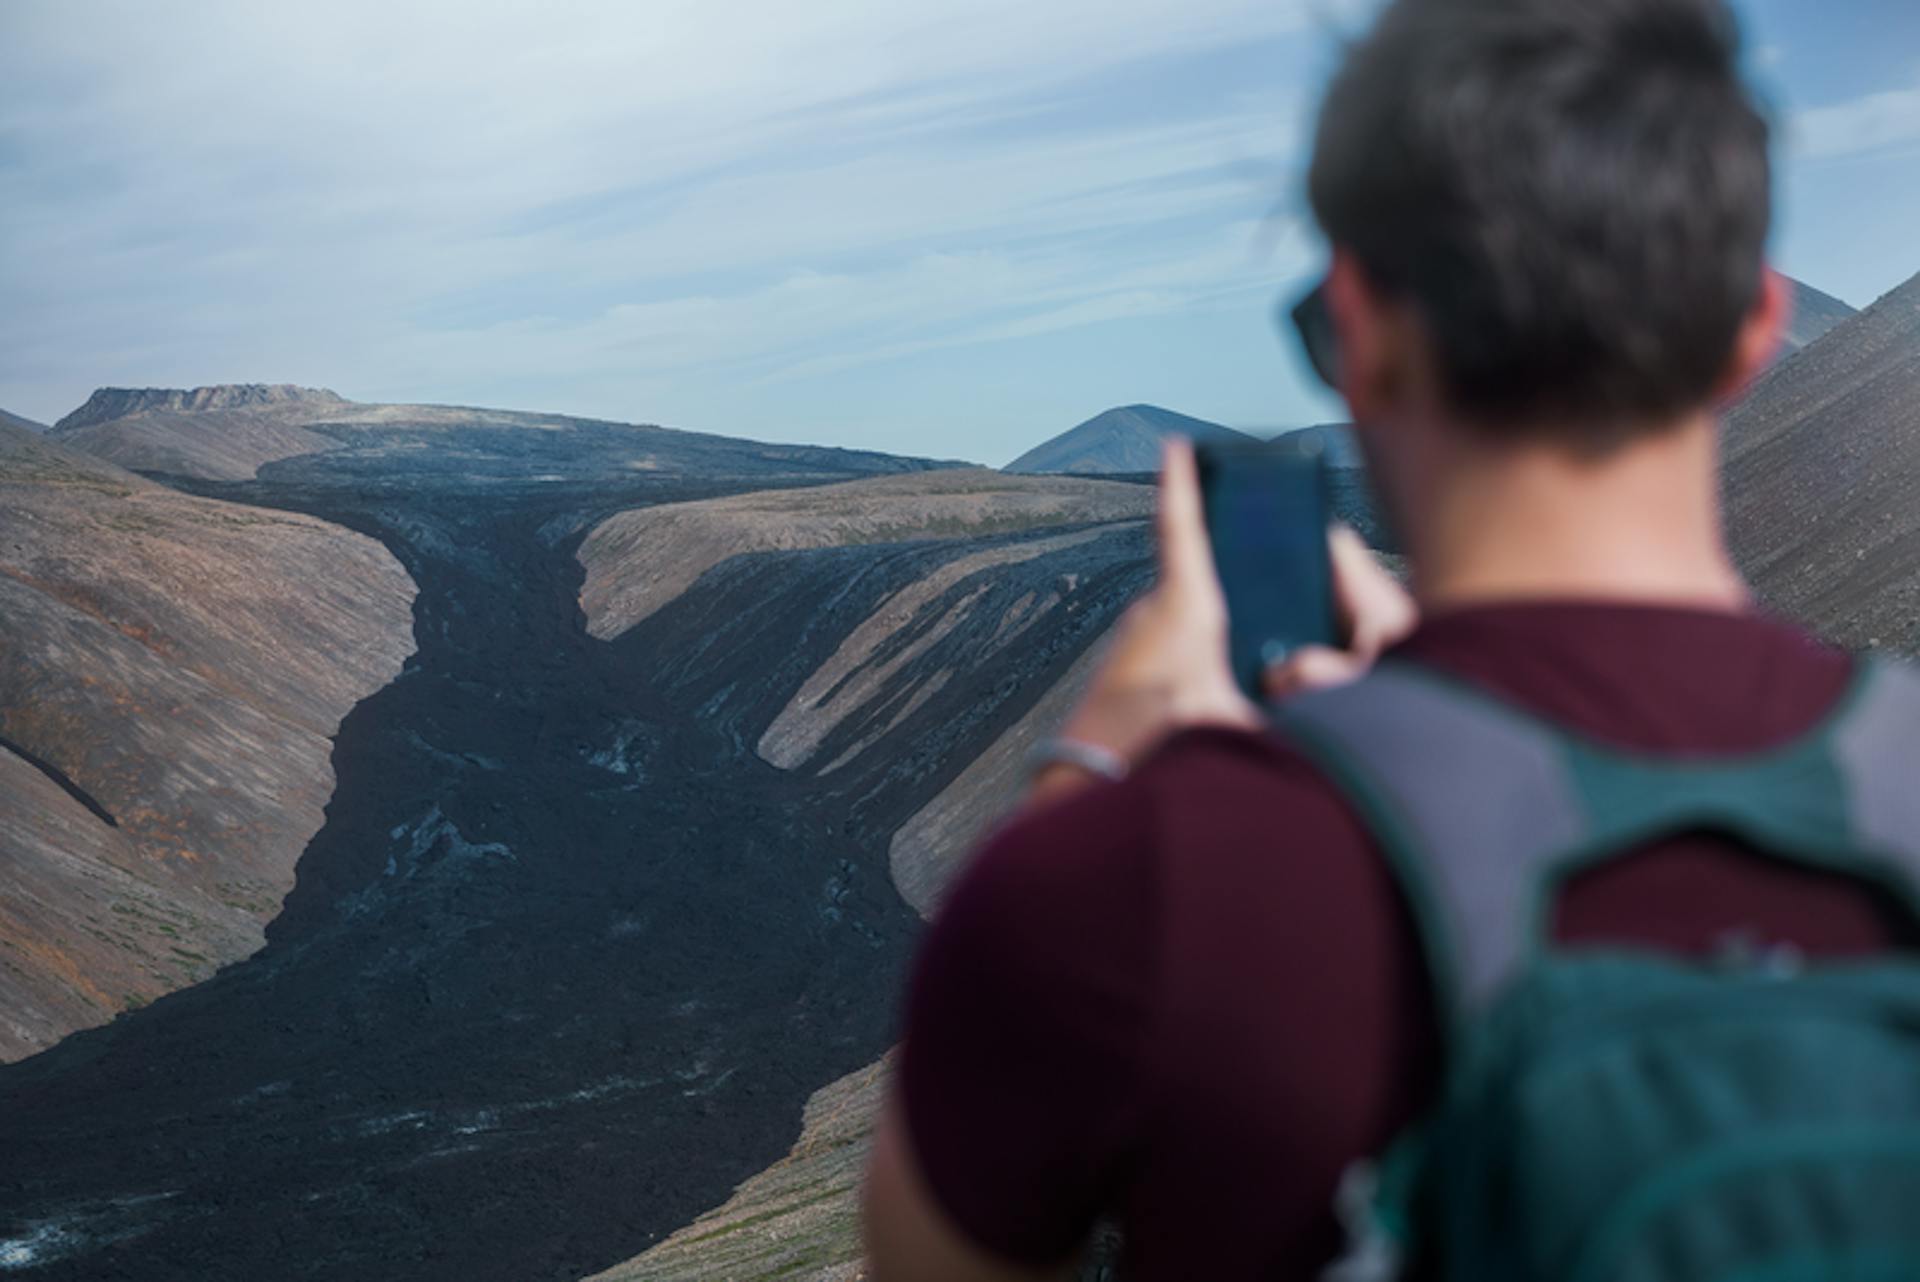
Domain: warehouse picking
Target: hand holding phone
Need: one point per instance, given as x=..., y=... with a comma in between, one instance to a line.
x=1266, y=518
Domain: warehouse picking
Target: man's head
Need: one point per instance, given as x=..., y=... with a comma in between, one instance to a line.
x=1549, y=216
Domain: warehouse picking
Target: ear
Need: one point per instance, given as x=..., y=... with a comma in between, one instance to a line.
x=1761, y=334
x=1373, y=337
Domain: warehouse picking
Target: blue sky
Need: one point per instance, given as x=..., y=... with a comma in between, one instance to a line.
x=951, y=227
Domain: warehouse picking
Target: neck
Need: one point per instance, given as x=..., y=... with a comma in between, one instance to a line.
x=1487, y=524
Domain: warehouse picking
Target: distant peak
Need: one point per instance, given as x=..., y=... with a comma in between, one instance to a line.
x=1814, y=313
x=1123, y=439
x=109, y=403
x=1153, y=413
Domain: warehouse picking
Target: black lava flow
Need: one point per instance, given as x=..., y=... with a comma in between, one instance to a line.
x=567, y=957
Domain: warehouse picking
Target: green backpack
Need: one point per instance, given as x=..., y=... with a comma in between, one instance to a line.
x=1613, y=1115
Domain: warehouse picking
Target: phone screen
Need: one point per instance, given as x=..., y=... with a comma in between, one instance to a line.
x=1266, y=507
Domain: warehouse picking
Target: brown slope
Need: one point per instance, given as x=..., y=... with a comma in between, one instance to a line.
x=170, y=673
x=927, y=851
x=640, y=560
x=215, y=445
x=1822, y=478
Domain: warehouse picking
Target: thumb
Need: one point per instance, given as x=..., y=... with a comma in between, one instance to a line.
x=1375, y=609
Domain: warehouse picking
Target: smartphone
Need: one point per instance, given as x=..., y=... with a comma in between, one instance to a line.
x=1266, y=511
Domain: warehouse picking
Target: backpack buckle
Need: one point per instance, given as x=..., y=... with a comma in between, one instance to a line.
x=1743, y=950
x=1373, y=1251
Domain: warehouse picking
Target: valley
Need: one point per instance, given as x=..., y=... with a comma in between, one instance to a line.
x=569, y=953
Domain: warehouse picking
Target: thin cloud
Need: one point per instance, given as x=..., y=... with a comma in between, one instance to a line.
x=1876, y=122
x=418, y=197
x=741, y=214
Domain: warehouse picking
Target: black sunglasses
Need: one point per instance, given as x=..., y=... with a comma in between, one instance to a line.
x=1314, y=323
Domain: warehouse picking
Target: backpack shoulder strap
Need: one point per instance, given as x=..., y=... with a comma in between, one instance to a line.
x=1467, y=798
x=1876, y=746
x=1843, y=797
x=1482, y=808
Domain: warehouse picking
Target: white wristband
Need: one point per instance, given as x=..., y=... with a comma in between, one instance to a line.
x=1090, y=757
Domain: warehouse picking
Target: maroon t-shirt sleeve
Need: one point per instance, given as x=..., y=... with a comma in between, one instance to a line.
x=1033, y=975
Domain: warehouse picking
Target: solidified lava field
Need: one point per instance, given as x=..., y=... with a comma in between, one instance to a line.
x=567, y=957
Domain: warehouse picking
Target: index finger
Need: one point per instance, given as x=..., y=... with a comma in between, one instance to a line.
x=1180, y=518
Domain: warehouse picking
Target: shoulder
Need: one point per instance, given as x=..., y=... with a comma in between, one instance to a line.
x=1096, y=852
x=1078, y=894
x=1222, y=797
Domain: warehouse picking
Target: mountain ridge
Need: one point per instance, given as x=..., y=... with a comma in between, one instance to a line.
x=1123, y=439
x=228, y=432
x=108, y=403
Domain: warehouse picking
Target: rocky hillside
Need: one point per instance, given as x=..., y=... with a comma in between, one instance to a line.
x=1121, y=440
x=1822, y=478
x=23, y=424
x=927, y=851
x=977, y=569
x=171, y=670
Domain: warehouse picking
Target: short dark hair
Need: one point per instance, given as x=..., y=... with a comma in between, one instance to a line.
x=1574, y=194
